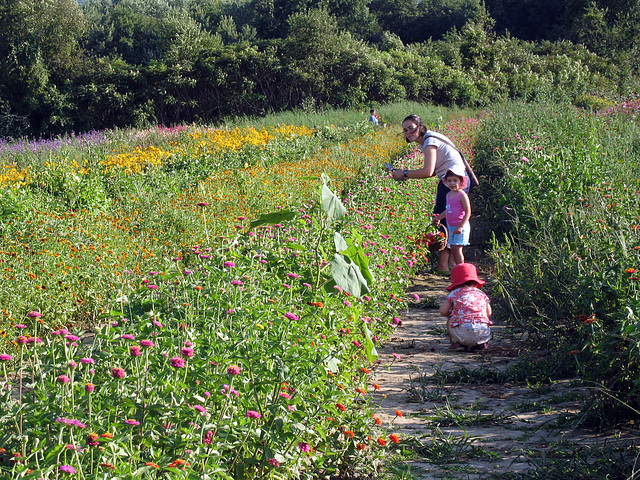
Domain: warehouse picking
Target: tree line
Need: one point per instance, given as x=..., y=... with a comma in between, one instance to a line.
x=67, y=66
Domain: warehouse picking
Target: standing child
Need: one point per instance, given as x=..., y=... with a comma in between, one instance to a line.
x=457, y=212
x=468, y=310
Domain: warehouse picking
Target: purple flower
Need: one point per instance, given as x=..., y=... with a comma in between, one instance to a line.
x=177, y=362
x=233, y=370
x=67, y=469
x=252, y=414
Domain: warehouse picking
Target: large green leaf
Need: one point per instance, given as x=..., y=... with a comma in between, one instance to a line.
x=272, y=218
x=356, y=254
x=347, y=276
x=340, y=243
x=332, y=205
x=369, y=346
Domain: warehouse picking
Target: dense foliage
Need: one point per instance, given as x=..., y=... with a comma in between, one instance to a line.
x=562, y=196
x=69, y=67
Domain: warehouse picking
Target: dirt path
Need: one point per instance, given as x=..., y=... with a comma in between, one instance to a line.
x=490, y=429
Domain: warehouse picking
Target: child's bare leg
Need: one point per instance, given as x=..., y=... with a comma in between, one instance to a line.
x=443, y=260
x=456, y=253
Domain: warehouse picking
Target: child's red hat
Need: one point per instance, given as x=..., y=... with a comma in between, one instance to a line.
x=463, y=273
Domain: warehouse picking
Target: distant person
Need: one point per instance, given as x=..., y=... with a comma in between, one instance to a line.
x=374, y=117
x=467, y=309
x=440, y=155
x=457, y=212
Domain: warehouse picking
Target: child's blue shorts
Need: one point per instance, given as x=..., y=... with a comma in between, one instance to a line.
x=460, y=238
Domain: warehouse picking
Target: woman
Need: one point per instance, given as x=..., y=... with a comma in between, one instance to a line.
x=440, y=155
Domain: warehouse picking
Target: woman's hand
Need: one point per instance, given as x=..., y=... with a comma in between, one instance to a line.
x=397, y=174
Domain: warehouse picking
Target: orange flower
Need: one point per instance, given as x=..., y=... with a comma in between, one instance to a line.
x=349, y=434
x=361, y=446
x=394, y=438
x=398, y=413
x=376, y=386
x=377, y=420
x=631, y=270
x=381, y=441
x=151, y=464
x=366, y=370
x=107, y=435
x=341, y=407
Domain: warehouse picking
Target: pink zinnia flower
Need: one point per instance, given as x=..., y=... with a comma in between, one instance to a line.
x=21, y=340
x=131, y=421
x=187, y=352
x=208, y=438
x=118, y=372
x=146, y=343
x=87, y=360
x=34, y=314
x=305, y=447
x=203, y=204
x=233, y=370
x=128, y=336
x=64, y=379
x=20, y=326
x=157, y=324
x=199, y=408
x=72, y=364
x=252, y=414
x=237, y=283
x=291, y=316
x=273, y=462
x=177, y=362
x=135, y=351
x=67, y=469
x=5, y=358
x=229, y=264
x=152, y=287
x=89, y=387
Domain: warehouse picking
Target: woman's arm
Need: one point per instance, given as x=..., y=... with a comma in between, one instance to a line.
x=427, y=170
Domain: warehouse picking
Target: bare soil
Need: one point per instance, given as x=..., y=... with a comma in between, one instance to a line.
x=486, y=430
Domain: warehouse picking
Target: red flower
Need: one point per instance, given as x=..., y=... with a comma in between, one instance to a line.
x=381, y=441
x=398, y=413
x=341, y=407
x=394, y=438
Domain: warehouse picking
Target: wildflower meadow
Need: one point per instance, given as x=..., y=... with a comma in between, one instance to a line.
x=202, y=303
